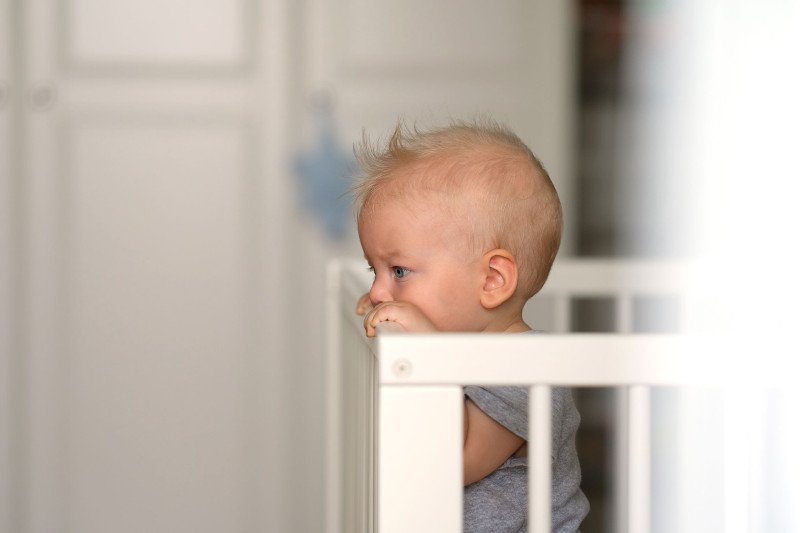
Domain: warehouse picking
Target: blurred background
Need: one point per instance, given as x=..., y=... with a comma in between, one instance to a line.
x=172, y=184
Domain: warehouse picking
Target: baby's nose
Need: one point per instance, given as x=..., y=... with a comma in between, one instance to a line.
x=379, y=294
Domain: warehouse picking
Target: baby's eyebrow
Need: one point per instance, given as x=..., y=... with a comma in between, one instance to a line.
x=397, y=257
x=391, y=255
x=394, y=254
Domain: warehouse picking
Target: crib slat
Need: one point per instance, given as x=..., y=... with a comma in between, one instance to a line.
x=335, y=496
x=561, y=313
x=420, y=459
x=638, y=470
x=618, y=521
x=743, y=440
x=623, y=306
x=373, y=462
x=624, y=313
x=539, y=463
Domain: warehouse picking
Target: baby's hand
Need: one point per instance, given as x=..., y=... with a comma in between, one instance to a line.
x=406, y=315
x=363, y=304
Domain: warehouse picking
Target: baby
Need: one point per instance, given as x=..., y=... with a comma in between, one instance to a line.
x=460, y=226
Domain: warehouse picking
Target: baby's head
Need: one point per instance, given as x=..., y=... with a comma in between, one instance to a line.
x=471, y=206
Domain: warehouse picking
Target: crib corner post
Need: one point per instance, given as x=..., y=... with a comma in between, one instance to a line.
x=421, y=483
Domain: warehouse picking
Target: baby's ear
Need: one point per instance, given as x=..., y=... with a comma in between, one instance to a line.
x=501, y=277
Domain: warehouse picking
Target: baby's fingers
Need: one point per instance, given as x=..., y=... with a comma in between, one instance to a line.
x=363, y=304
x=389, y=327
x=369, y=324
x=376, y=315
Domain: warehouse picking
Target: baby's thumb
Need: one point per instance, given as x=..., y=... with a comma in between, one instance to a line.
x=363, y=304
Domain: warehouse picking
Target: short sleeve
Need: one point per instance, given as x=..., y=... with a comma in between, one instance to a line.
x=507, y=405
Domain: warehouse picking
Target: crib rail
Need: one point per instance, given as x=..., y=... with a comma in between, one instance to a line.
x=401, y=405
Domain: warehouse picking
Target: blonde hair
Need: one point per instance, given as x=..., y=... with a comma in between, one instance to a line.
x=479, y=170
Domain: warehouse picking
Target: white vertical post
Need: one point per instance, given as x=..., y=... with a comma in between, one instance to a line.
x=561, y=312
x=742, y=445
x=619, y=450
x=421, y=485
x=623, y=311
x=638, y=444
x=362, y=425
x=373, y=462
x=623, y=321
x=333, y=503
x=539, y=462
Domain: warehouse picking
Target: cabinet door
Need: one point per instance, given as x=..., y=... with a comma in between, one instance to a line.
x=152, y=346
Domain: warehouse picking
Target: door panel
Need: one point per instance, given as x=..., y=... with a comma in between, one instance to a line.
x=430, y=62
x=158, y=269
x=385, y=36
x=153, y=331
x=156, y=34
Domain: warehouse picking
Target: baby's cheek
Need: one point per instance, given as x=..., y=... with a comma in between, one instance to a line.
x=444, y=315
x=426, y=306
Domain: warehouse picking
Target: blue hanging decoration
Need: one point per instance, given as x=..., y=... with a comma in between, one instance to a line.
x=324, y=174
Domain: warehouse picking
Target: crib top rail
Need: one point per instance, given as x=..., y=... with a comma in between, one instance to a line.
x=590, y=360
x=602, y=276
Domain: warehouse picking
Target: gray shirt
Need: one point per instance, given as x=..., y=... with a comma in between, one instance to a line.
x=499, y=502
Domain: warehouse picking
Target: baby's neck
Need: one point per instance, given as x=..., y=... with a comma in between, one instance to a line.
x=517, y=327
x=513, y=324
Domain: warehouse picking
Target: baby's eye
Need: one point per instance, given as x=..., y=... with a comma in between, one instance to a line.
x=400, y=272
x=371, y=270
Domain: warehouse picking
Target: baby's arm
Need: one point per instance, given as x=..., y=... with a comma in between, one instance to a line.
x=487, y=443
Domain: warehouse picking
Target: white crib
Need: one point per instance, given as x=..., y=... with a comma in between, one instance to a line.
x=395, y=402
